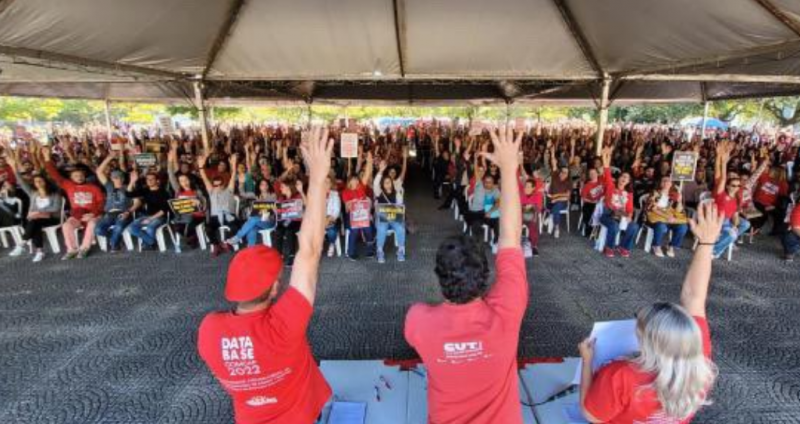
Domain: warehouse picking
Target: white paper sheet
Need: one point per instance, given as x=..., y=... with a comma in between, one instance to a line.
x=614, y=340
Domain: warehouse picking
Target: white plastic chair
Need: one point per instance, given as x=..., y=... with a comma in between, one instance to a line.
x=15, y=231
x=52, y=232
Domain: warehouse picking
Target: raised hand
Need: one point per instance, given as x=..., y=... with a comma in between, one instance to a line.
x=317, y=149
x=707, y=224
x=506, y=148
x=606, y=156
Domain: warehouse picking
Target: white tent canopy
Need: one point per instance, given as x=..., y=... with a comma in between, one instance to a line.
x=400, y=50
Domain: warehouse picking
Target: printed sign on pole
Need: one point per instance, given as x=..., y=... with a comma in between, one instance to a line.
x=684, y=165
x=389, y=213
x=166, y=125
x=359, y=213
x=349, y=145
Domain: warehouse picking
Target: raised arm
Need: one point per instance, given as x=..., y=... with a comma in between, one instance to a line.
x=233, y=161
x=706, y=227
x=101, y=170
x=506, y=156
x=367, y=171
x=305, y=273
x=721, y=166
x=50, y=168
x=402, y=176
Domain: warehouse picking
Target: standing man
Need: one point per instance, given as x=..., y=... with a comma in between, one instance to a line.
x=469, y=342
x=259, y=351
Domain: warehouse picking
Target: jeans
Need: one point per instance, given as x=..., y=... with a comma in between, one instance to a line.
x=555, y=211
x=587, y=211
x=612, y=228
x=251, y=228
x=146, y=232
x=355, y=234
x=791, y=242
x=494, y=228
x=660, y=229
x=533, y=230
x=399, y=233
x=113, y=225
x=729, y=235
x=331, y=233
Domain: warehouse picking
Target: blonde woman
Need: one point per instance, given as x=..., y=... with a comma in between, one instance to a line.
x=668, y=380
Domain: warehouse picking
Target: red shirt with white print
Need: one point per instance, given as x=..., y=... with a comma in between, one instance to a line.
x=471, y=351
x=769, y=190
x=616, y=199
x=263, y=360
x=616, y=395
x=83, y=198
x=726, y=204
x=592, y=192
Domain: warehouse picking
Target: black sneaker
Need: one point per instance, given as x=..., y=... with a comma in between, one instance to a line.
x=535, y=251
x=788, y=257
x=352, y=258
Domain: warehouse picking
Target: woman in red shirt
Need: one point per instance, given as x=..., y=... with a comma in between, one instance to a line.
x=532, y=191
x=618, y=206
x=591, y=194
x=669, y=379
x=770, y=189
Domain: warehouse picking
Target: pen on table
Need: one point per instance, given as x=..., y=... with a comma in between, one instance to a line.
x=377, y=394
x=386, y=382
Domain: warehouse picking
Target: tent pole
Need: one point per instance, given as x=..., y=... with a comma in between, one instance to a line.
x=201, y=108
x=706, y=105
x=602, y=118
x=107, y=105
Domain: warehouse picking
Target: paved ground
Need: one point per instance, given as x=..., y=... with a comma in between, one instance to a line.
x=112, y=339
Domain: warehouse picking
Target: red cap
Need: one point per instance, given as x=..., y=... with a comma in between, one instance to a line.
x=252, y=272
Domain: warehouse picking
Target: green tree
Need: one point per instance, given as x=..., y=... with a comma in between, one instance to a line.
x=777, y=106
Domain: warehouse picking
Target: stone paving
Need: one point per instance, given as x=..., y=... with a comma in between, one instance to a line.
x=111, y=339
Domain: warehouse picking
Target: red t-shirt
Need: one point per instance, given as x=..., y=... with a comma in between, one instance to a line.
x=7, y=174
x=616, y=199
x=592, y=192
x=83, y=198
x=768, y=191
x=359, y=192
x=263, y=360
x=615, y=395
x=728, y=205
x=794, y=218
x=470, y=350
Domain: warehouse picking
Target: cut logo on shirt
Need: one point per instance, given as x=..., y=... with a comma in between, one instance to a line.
x=459, y=352
x=261, y=401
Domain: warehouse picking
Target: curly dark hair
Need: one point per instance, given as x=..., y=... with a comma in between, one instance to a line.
x=462, y=268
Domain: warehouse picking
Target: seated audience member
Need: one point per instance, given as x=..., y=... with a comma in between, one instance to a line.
x=8, y=205
x=86, y=202
x=357, y=191
x=771, y=189
x=532, y=193
x=469, y=342
x=727, y=196
x=154, y=208
x=617, y=205
x=118, y=208
x=183, y=187
x=591, y=195
x=259, y=351
x=333, y=211
x=669, y=379
x=665, y=213
x=559, y=193
x=287, y=228
x=474, y=215
x=258, y=221
x=44, y=210
x=791, y=238
x=387, y=195
x=223, y=206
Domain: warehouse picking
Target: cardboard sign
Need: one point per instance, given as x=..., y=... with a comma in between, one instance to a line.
x=359, y=213
x=291, y=210
x=185, y=205
x=389, y=213
x=154, y=145
x=684, y=165
x=165, y=123
x=145, y=160
x=118, y=144
x=349, y=145
x=264, y=206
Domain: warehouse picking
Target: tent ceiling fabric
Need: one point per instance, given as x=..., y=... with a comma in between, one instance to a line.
x=400, y=50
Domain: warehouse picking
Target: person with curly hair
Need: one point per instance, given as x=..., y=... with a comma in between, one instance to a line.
x=469, y=342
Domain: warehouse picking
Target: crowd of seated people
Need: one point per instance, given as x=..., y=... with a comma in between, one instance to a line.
x=628, y=191
x=247, y=186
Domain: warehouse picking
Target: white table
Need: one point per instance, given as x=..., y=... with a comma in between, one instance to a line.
x=545, y=380
x=355, y=381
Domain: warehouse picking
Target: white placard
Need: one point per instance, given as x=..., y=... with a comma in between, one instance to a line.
x=349, y=145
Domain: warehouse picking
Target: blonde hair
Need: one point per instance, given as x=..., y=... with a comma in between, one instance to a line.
x=671, y=349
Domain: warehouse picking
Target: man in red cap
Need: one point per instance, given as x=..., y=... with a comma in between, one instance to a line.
x=469, y=342
x=259, y=351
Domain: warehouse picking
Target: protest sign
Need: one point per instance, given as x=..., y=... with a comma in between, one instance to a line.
x=359, y=213
x=184, y=205
x=291, y=210
x=145, y=160
x=349, y=145
x=263, y=206
x=118, y=144
x=166, y=125
x=389, y=213
x=154, y=145
x=684, y=165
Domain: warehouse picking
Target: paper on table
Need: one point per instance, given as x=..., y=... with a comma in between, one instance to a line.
x=348, y=413
x=573, y=414
x=613, y=340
